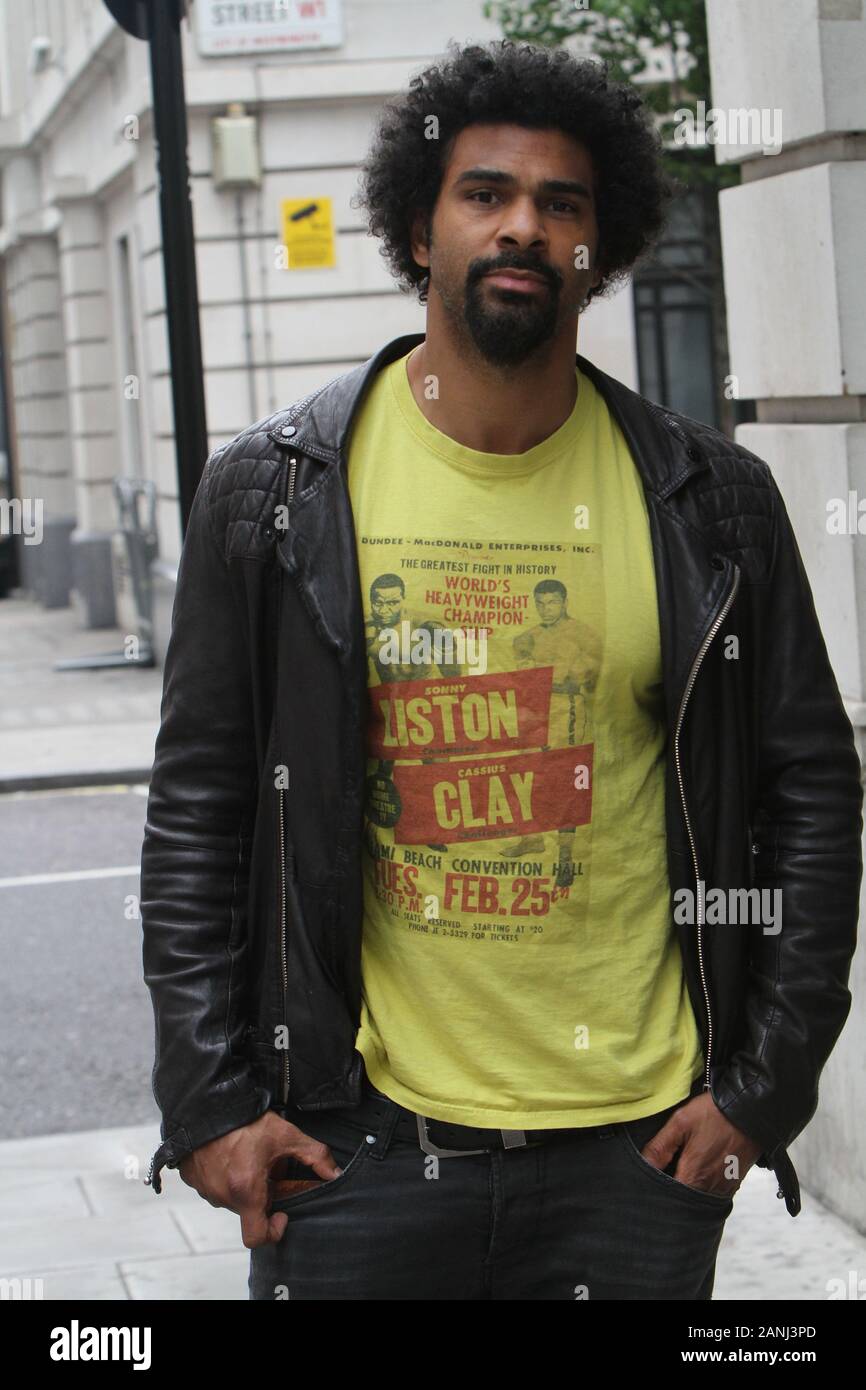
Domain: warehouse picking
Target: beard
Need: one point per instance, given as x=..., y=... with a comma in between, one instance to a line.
x=508, y=326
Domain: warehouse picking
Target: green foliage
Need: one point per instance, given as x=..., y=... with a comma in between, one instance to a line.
x=661, y=45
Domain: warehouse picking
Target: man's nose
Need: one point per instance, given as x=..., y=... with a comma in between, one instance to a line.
x=521, y=225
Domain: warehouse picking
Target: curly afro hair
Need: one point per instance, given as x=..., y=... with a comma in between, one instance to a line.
x=521, y=84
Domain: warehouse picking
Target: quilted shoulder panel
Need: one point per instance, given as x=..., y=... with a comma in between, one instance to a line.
x=732, y=501
x=242, y=481
x=736, y=506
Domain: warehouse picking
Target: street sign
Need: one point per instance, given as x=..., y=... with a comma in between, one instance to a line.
x=308, y=233
x=266, y=26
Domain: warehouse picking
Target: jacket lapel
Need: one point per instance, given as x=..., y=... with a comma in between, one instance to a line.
x=689, y=586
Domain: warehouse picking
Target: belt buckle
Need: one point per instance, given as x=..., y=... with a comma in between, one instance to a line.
x=430, y=1148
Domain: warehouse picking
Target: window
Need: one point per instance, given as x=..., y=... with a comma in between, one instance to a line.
x=675, y=308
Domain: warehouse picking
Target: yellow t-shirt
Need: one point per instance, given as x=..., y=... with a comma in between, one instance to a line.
x=520, y=966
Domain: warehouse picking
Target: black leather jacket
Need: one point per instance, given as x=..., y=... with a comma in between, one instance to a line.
x=251, y=890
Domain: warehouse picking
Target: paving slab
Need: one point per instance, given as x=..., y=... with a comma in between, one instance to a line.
x=61, y=728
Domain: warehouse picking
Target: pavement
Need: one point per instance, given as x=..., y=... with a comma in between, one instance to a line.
x=75, y=1213
x=75, y=727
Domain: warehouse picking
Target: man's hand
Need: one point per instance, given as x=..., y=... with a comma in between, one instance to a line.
x=236, y=1170
x=708, y=1141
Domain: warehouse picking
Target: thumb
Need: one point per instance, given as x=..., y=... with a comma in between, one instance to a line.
x=277, y=1226
x=661, y=1149
x=255, y=1225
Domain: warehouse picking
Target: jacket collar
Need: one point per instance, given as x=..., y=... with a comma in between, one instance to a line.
x=665, y=454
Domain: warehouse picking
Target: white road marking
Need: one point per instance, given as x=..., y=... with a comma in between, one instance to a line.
x=71, y=876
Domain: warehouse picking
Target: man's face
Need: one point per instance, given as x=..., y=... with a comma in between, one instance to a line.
x=519, y=199
x=386, y=605
x=550, y=607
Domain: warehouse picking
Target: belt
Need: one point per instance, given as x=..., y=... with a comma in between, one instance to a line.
x=449, y=1140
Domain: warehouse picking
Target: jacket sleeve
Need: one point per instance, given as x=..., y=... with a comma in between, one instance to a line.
x=807, y=828
x=195, y=856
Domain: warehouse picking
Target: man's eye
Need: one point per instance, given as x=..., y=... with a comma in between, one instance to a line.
x=486, y=193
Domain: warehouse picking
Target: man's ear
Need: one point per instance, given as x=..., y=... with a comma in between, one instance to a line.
x=418, y=240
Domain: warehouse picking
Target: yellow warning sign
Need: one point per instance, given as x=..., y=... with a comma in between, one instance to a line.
x=308, y=233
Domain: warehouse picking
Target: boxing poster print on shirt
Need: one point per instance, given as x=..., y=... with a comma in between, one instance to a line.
x=481, y=739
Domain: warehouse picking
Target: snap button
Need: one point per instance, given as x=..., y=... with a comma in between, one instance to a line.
x=288, y=430
x=693, y=453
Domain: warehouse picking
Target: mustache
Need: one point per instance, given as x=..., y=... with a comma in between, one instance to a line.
x=511, y=261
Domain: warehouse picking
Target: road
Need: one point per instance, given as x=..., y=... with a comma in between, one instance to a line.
x=76, y=1024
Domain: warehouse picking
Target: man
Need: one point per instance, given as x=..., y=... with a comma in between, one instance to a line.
x=573, y=652
x=390, y=628
x=415, y=1067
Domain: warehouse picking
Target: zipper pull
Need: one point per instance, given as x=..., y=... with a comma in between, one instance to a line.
x=281, y=525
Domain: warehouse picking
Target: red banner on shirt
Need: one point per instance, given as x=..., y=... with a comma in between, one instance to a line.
x=493, y=713
x=491, y=799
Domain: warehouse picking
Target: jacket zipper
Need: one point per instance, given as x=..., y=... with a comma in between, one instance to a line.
x=689, y=684
x=283, y=947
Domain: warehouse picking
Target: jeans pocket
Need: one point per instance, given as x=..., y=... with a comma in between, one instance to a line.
x=345, y=1136
x=633, y=1134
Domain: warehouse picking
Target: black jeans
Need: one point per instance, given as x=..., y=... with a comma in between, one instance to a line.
x=577, y=1217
